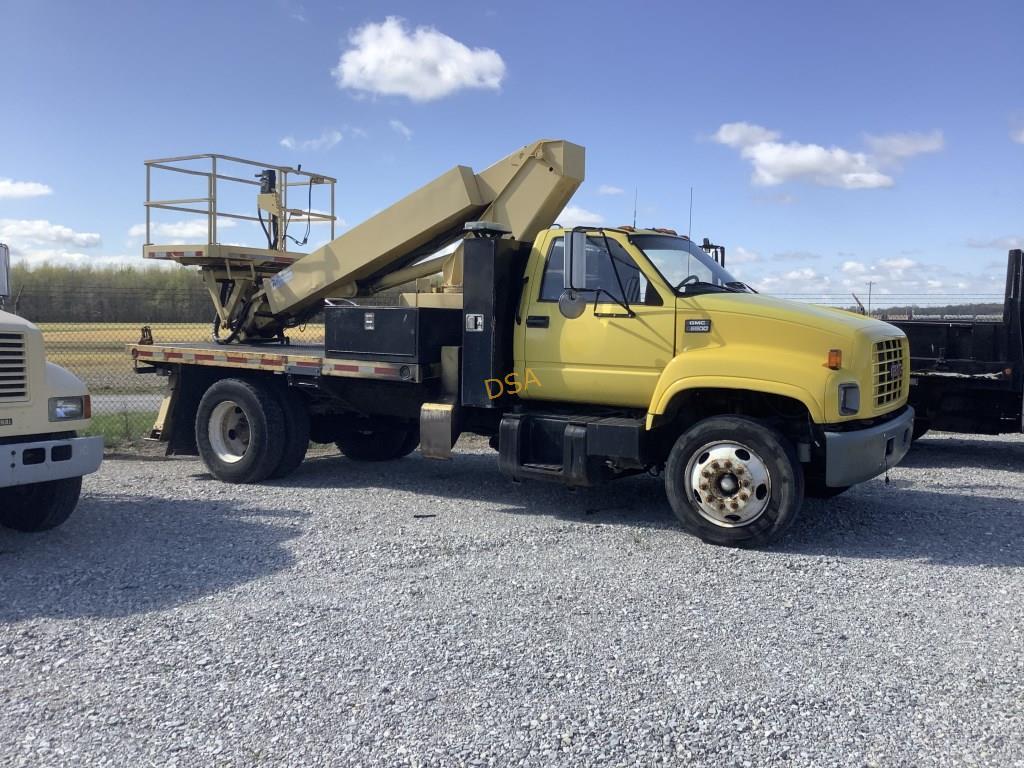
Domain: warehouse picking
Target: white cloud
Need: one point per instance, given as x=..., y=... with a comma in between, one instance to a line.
x=775, y=162
x=325, y=140
x=191, y=229
x=574, y=216
x=1017, y=135
x=805, y=274
x=609, y=189
x=10, y=189
x=896, y=281
x=42, y=231
x=997, y=243
x=897, y=146
x=387, y=59
x=35, y=257
x=743, y=135
x=897, y=264
x=401, y=129
x=740, y=255
x=796, y=256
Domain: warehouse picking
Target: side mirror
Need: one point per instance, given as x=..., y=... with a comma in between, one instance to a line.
x=571, y=304
x=574, y=270
x=5, y=273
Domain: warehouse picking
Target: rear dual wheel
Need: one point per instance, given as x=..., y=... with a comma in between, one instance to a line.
x=378, y=440
x=248, y=432
x=735, y=482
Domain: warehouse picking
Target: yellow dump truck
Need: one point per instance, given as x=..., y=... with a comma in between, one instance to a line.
x=585, y=354
x=43, y=408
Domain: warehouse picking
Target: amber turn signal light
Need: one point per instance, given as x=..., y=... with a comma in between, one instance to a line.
x=835, y=359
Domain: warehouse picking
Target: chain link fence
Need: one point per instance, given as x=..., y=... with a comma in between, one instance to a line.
x=125, y=403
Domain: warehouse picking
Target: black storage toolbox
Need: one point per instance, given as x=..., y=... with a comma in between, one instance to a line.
x=392, y=334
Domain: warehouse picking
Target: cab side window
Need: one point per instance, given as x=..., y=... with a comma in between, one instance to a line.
x=630, y=285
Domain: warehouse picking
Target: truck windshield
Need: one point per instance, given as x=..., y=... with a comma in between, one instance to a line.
x=684, y=265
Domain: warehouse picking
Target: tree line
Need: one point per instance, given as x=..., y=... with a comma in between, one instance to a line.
x=126, y=294
x=63, y=294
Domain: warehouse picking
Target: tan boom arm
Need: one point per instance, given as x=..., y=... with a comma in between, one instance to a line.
x=524, y=192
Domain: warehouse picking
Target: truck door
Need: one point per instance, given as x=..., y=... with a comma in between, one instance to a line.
x=604, y=356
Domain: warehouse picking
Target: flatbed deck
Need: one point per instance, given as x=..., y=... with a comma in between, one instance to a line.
x=292, y=359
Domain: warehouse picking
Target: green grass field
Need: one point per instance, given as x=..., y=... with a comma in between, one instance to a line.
x=121, y=430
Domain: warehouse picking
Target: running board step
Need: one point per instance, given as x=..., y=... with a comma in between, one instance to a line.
x=573, y=450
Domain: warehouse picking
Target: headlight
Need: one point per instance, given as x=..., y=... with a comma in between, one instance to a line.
x=70, y=408
x=849, y=399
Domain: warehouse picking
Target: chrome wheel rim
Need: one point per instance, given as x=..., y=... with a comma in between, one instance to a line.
x=228, y=431
x=728, y=484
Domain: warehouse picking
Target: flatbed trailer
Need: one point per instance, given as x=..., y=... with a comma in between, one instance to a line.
x=968, y=376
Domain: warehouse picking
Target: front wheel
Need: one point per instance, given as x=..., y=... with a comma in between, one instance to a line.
x=734, y=482
x=39, y=506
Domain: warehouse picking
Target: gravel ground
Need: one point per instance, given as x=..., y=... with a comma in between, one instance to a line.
x=426, y=613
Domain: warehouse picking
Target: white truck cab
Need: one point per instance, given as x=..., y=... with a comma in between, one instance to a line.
x=43, y=409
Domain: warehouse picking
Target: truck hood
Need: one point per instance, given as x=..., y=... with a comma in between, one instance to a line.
x=9, y=322
x=759, y=306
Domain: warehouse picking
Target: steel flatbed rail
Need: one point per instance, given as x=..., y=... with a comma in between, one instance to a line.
x=295, y=360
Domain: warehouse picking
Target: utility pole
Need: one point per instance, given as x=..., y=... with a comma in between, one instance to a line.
x=870, y=283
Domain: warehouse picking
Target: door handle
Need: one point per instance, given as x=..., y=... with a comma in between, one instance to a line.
x=537, y=321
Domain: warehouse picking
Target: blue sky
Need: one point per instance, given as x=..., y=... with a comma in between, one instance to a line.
x=828, y=144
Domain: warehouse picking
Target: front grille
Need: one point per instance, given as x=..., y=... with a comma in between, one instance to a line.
x=888, y=372
x=13, y=368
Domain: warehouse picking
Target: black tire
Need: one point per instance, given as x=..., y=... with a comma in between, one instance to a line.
x=921, y=427
x=376, y=441
x=260, y=440
x=766, y=469
x=39, y=506
x=296, y=433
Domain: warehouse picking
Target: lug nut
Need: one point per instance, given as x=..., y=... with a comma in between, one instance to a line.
x=728, y=464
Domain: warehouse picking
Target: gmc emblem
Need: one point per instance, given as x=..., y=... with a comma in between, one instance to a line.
x=895, y=371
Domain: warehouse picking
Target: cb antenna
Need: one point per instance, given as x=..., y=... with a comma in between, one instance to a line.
x=635, y=194
x=689, y=227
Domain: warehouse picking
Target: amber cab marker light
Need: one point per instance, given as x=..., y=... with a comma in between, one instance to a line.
x=87, y=407
x=835, y=359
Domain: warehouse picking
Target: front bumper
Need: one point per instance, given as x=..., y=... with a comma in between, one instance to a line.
x=38, y=461
x=856, y=456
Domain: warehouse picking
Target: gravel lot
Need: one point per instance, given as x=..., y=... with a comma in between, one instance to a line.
x=425, y=613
